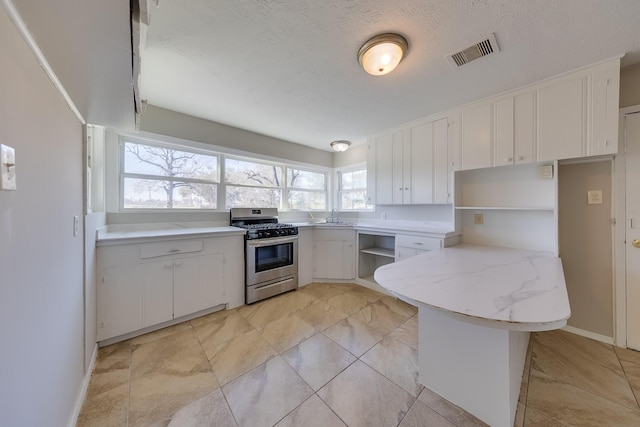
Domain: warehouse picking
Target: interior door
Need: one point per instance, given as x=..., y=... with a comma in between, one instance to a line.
x=632, y=241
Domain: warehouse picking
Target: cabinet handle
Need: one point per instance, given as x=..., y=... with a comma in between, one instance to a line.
x=508, y=159
x=418, y=243
x=168, y=265
x=406, y=188
x=520, y=158
x=400, y=188
x=173, y=250
x=606, y=142
x=178, y=263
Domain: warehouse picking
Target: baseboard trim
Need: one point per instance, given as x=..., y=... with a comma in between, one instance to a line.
x=82, y=391
x=602, y=338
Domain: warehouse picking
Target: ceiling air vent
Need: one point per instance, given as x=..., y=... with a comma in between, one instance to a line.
x=478, y=50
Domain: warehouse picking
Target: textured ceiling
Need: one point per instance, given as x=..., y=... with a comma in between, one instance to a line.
x=288, y=69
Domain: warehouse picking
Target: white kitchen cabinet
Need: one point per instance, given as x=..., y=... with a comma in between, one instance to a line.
x=476, y=138
x=411, y=165
x=119, y=299
x=562, y=120
x=408, y=245
x=605, y=84
x=140, y=285
x=157, y=292
x=198, y=283
x=503, y=134
x=305, y=256
x=334, y=254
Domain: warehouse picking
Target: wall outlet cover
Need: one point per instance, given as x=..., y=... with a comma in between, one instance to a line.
x=546, y=172
x=478, y=218
x=594, y=197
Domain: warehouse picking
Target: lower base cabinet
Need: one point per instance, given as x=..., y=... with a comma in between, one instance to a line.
x=334, y=254
x=137, y=289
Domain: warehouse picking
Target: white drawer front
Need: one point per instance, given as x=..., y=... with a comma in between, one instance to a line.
x=152, y=250
x=418, y=242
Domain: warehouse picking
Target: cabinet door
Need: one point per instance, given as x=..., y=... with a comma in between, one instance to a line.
x=198, y=283
x=562, y=121
x=524, y=128
x=440, y=162
x=119, y=309
x=157, y=292
x=503, y=113
x=403, y=252
x=605, y=86
x=397, y=177
x=476, y=137
x=371, y=172
x=421, y=164
x=305, y=256
x=384, y=170
x=334, y=259
x=348, y=260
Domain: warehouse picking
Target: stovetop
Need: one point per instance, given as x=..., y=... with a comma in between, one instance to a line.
x=261, y=223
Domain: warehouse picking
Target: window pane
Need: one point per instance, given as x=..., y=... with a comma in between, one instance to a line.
x=249, y=173
x=353, y=200
x=307, y=200
x=150, y=160
x=253, y=197
x=157, y=194
x=307, y=180
x=353, y=180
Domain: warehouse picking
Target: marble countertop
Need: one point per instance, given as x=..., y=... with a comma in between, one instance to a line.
x=503, y=288
x=438, y=229
x=128, y=232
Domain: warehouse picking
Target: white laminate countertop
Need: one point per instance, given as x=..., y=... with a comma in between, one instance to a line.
x=503, y=288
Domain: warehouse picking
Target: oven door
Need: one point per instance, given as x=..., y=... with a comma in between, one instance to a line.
x=273, y=258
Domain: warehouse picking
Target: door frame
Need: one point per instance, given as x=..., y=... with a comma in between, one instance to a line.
x=619, y=246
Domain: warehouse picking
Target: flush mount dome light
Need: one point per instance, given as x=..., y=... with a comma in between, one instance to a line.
x=340, y=145
x=382, y=54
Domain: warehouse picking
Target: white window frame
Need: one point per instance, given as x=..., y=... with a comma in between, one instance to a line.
x=289, y=188
x=224, y=182
x=339, y=190
x=122, y=174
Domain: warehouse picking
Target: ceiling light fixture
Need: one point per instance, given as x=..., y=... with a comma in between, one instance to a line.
x=340, y=145
x=382, y=54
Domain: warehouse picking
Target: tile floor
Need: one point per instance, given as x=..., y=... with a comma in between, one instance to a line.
x=334, y=355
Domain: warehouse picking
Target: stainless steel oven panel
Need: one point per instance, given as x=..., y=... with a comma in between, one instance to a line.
x=254, y=277
x=262, y=291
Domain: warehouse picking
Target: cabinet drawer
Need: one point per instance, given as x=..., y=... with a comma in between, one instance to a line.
x=152, y=250
x=418, y=242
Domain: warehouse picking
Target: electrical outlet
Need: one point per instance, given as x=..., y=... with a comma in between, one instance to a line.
x=546, y=172
x=76, y=225
x=478, y=218
x=383, y=215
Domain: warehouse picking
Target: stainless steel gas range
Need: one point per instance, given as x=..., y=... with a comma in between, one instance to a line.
x=271, y=253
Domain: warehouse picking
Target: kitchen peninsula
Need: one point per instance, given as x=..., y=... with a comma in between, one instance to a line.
x=477, y=306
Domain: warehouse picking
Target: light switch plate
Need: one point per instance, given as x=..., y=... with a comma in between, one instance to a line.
x=546, y=172
x=594, y=197
x=7, y=167
x=478, y=219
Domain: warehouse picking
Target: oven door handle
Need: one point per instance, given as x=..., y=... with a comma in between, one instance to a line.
x=271, y=241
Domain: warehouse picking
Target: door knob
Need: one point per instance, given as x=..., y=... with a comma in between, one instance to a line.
x=636, y=243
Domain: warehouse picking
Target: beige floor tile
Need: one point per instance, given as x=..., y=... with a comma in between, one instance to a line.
x=264, y=312
x=354, y=335
x=630, y=361
x=161, y=333
x=287, y=332
x=266, y=394
x=115, y=356
x=312, y=413
x=348, y=303
x=210, y=410
x=367, y=294
x=397, y=361
x=420, y=415
x=407, y=332
x=318, y=360
x=400, y=307
x=215, y=316
x=448, y=410
x=107, y=409
x=167, y=374
x=360, y=396
x=573, y=406
x=321, y=315
x=584, y=363
x=237, y=356
x=324, y=291
x=533, y=418
x=380, y=317
x=519, y=421
x=219, y=329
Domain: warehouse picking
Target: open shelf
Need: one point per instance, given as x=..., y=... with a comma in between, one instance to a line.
x=379, y=251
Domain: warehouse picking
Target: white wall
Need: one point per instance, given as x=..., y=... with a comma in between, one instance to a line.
x=41, y=262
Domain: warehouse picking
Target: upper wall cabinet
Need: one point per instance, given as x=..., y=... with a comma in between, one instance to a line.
x=409, y=165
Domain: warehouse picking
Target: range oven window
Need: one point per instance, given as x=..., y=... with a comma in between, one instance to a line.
x=273, y=256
